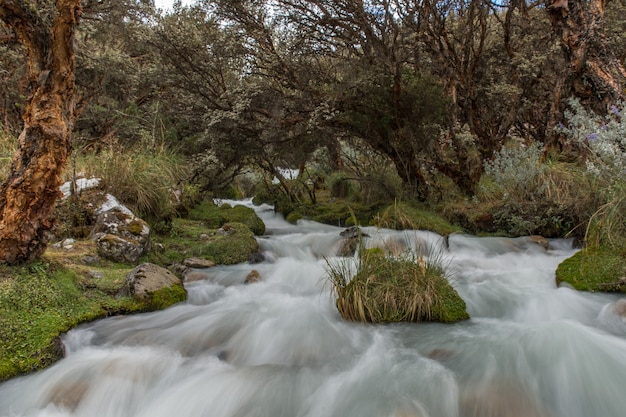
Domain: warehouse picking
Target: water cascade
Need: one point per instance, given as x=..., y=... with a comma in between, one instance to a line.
x=279, y=347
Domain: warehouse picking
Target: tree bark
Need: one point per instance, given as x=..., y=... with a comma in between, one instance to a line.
x=595, y=73
x=28, y=196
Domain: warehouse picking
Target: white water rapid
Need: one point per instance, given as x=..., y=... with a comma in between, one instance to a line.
x=279, y=348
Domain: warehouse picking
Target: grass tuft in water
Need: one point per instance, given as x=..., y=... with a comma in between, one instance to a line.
x=386, y=289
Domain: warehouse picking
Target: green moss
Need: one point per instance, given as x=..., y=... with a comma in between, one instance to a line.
x=293, y=217
x=215, y=217
x=167, y=297
x=135, y=227
x=336, y=213
x=230, y=247
x=40, y=301
x=594, y=269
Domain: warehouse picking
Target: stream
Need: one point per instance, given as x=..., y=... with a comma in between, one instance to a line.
x=278, y=348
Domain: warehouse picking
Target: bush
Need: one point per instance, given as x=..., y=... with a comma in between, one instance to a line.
x=516, y=173
x=387, y=290
x=524, y=193
x=341, y=185
x=603, y=141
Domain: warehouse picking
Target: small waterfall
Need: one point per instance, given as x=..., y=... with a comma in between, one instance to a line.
x=279, y=347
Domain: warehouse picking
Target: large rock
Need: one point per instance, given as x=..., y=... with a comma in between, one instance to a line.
x=121, y=237
x=155, y=285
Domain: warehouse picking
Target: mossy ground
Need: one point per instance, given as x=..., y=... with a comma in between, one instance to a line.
x=191, y=238
x=594, y=269
x=41, y=300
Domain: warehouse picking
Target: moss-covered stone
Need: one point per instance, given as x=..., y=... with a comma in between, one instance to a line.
x=215, y=217
x=167, y=297
x=229, y=246
x=293, y=217
x=594, y=269
x=387, y=290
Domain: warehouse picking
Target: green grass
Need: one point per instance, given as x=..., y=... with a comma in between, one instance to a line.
x=594, y=269
x=402, y=216
x=142, y=180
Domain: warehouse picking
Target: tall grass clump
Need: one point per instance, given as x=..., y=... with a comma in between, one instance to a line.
x=603, y=144
x=403, y=216
x=144, y=180
x=387, y=289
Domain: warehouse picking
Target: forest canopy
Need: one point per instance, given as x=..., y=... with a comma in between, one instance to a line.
x=433, y=90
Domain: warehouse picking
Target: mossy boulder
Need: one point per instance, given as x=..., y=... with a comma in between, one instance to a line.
x=216, y=216
x=231, y=244
x=387, y=290
x=121, y=237
x=594, y=269
x=155, y=286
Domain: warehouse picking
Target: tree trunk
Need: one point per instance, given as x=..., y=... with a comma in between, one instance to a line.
x=595, y=73
x=28, y=196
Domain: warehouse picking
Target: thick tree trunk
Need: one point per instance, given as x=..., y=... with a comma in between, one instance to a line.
x=595, y=73
x=28, y=196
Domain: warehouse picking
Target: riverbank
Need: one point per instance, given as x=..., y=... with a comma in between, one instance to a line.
x=69, y=286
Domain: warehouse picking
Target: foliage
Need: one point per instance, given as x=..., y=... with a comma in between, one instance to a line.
x=603, y=141
x=517, y=173
x=341, y=185
x=385, y=289
x=594, y=269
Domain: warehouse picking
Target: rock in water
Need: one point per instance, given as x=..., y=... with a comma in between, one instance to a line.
x=155, y=285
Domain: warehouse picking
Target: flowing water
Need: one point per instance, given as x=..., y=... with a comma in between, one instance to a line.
x=279, y=348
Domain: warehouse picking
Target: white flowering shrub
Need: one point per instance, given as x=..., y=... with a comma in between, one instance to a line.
x=604, y=139
x=517, y=172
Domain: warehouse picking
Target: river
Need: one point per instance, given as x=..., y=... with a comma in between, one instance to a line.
x=278, y=348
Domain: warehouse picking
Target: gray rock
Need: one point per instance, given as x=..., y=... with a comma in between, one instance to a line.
x=193, y=275
x=147, y=278
x=256, y=258
x=119, y=249
x=198, y=263
x=121, y=237
x=89, y=260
